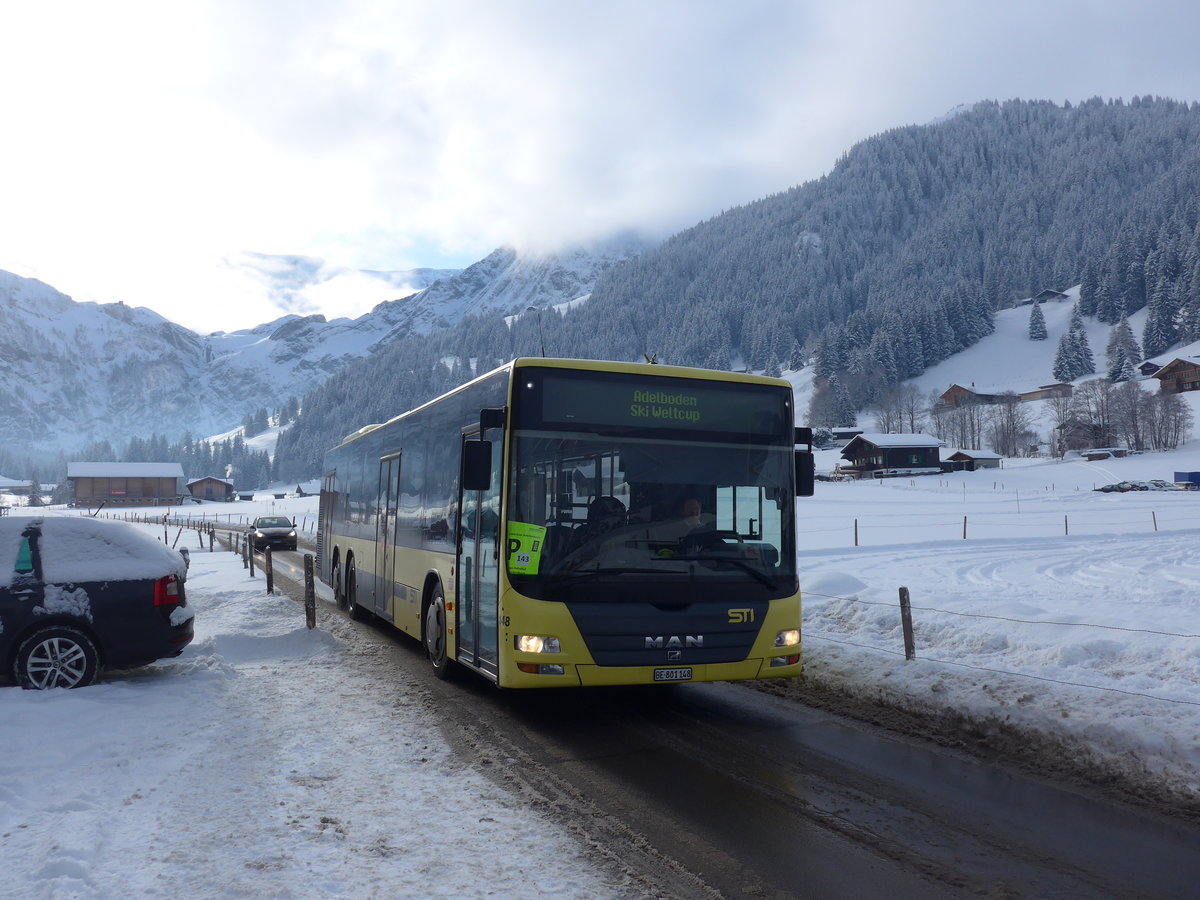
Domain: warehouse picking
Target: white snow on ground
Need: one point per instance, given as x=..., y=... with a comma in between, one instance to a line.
x=266, y=761
x=1069, y=612
x=269, y=760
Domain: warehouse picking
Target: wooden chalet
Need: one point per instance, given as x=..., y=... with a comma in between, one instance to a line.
x=1049, y=294
x=129, y=484
x=1179, y=375
x=1149, y=368
x=15, y=486
x=885, y=455
x=1046, y=391
x=211, y=488
x=970, y=460
x=956, y=395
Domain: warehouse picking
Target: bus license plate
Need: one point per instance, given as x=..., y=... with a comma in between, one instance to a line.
x=673, y=674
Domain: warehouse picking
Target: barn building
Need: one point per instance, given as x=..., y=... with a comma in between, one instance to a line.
x=211, y=488
x=128, y=484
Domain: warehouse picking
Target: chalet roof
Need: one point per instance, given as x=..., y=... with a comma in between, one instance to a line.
x=209, y=478
x=896, y=440
x=124, y=470
x=901, y=440
x=1176, y=363
x=970, y=454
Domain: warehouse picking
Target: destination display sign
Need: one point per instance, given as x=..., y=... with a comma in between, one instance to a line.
x=675, y=404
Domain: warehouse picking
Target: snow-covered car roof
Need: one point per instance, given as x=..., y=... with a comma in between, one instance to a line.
x=77, y=549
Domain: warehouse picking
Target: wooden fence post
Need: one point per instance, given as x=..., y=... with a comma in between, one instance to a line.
x=269, y=569
x=906, y=621
x=310, y=593
x=856, y=532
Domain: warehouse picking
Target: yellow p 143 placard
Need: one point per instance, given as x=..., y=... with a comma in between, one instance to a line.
x=525, y=543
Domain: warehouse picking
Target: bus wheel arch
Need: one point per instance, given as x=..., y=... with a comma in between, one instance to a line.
x=435, y=627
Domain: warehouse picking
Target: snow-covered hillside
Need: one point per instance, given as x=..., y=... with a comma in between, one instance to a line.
x=75, y=373
x=1007, y=360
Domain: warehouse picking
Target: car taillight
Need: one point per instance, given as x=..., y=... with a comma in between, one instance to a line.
x=166, y=591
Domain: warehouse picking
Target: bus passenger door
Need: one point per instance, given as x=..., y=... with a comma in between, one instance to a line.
x=325, y=523
x=389, y=501
x=479, y=566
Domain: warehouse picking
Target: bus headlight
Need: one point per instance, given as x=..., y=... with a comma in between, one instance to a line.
x=789, y=638
x=533, y=643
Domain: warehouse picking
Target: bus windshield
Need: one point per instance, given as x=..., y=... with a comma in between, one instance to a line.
x=679, y=517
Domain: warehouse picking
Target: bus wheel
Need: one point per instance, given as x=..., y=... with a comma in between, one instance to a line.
x=435, y=633
x=357, y=613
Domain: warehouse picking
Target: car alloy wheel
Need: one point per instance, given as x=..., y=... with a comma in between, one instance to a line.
x=57, y=657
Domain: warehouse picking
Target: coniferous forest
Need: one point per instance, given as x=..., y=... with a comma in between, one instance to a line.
x=893, y=261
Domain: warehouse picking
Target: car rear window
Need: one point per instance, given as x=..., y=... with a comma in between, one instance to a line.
x=24, y=558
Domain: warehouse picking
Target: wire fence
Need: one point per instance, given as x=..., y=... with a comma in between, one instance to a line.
x=901, y=615
x=857, y=531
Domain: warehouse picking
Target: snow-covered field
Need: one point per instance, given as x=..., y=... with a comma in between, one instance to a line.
x=238, y=769
x=1068, y=612
x=266, y=761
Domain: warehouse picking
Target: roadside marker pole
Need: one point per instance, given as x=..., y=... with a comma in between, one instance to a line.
x=906, y=621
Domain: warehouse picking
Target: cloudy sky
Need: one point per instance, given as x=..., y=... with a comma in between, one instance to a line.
x=148, y=146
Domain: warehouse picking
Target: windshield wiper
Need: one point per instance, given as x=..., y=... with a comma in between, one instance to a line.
x=756, y=573
x=574, y=575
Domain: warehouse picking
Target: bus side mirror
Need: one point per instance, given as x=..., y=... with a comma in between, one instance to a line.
x=806, y=468
x=477, y=465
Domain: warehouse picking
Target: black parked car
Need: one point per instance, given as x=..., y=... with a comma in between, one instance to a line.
x=78, y=595
x=276, y=532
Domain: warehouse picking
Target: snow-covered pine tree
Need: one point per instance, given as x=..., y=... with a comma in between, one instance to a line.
x=1037, y=323
x=1160, y=333
x=1121, y=338
x=1121, y=367
x=1086, y=364
x=1065, y=358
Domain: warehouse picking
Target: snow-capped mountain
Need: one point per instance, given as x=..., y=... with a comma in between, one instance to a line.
x=75, y=373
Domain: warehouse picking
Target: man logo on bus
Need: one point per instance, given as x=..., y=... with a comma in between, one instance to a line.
x=674, y=641
x=741, y=616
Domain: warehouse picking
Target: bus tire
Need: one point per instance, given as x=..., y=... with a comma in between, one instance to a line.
x=357, y=613
x=436, y=635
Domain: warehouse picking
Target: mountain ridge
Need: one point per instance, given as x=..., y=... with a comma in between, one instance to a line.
x=131, y=372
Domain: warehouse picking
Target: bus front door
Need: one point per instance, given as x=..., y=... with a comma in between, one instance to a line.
x=479, y=567
x=385, y=543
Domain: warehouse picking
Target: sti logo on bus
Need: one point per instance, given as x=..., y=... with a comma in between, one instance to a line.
x=674, y=641
x=741, y=616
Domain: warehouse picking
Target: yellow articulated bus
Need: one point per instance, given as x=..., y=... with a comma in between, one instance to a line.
x=557, y=523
